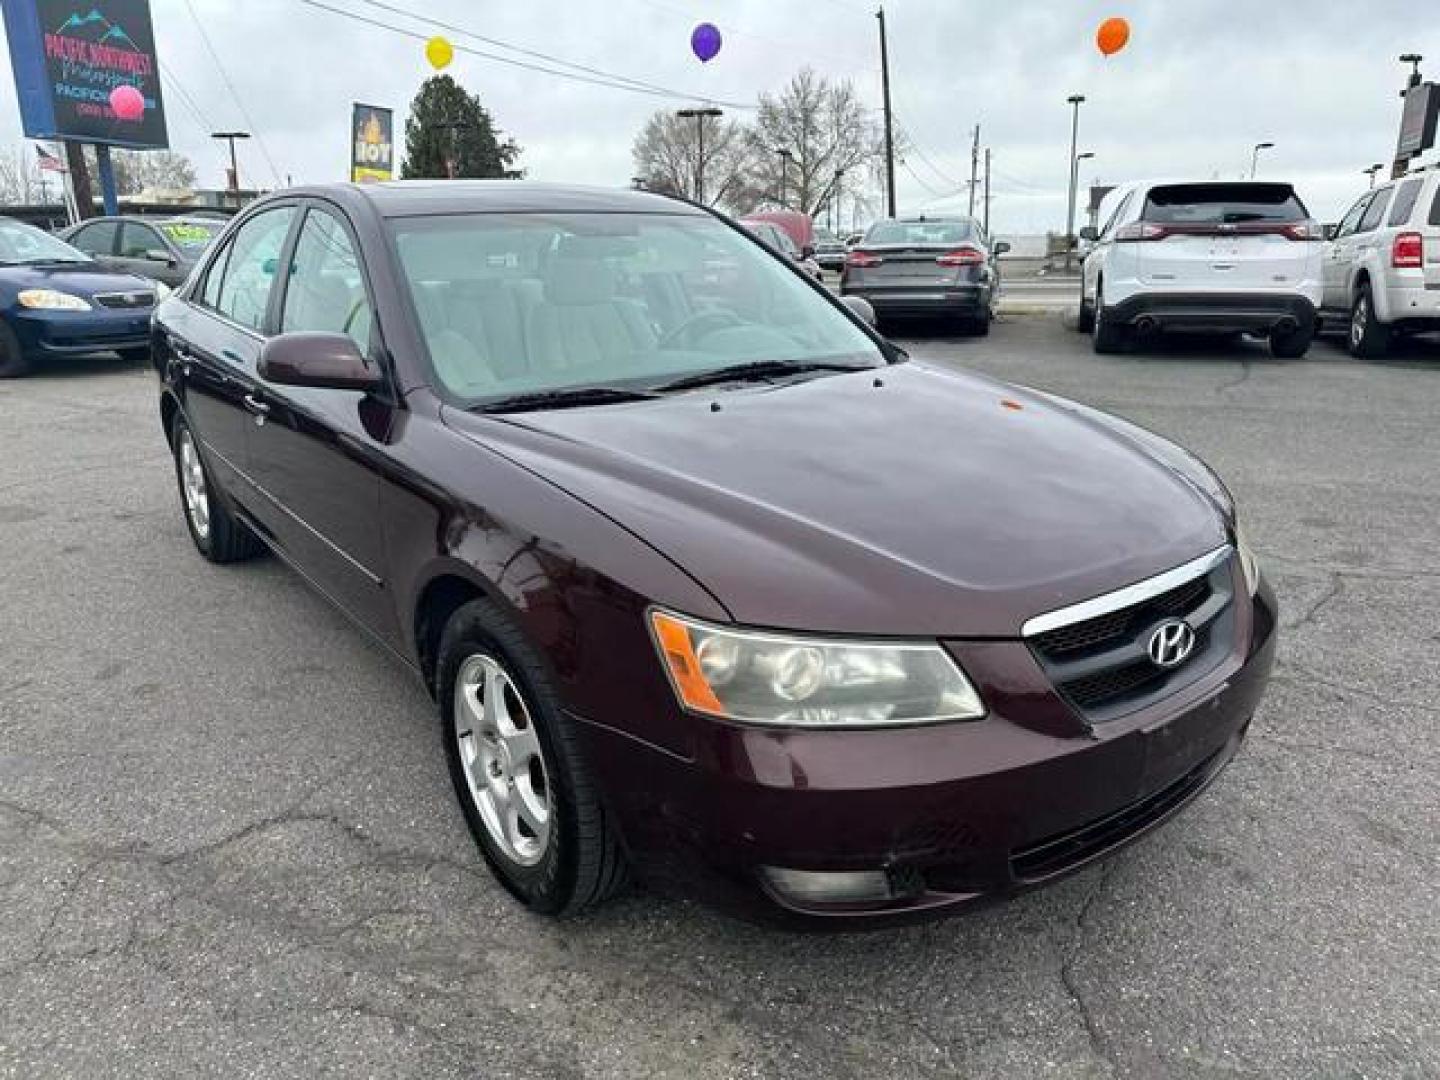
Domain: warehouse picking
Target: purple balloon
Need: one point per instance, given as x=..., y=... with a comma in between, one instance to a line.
x=705, y=41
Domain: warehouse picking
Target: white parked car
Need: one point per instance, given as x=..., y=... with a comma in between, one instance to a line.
x=1382, y=269
x=1229, y=256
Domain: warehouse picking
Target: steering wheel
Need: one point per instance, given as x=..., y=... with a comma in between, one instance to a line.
x=711, y=319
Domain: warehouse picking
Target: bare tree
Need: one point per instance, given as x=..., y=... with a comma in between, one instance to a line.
x=667, y=156
x=19, y=176
x=805, y=135
x=140, y=170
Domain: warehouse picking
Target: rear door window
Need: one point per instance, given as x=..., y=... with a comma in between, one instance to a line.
x=137, y=240
x=1376, y=211
x=1352, y=216
x=1405, y=201
x=1223, y=204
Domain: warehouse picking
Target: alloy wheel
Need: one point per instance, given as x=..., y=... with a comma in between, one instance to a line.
x=1358, y=320
x=503, y=761
x=192, y=484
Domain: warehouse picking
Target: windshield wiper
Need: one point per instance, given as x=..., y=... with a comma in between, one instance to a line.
x=571, y=397
x=758, y=369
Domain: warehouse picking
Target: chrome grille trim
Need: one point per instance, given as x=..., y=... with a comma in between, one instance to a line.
x=1129, y=596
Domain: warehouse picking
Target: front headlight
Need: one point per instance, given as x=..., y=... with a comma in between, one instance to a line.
x=1249, y=564
x=788, y=680
x=50, y=300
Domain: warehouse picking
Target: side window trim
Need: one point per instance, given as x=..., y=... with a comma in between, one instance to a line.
x=1353, y=215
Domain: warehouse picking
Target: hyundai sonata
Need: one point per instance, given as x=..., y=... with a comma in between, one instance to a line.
x=711, y=584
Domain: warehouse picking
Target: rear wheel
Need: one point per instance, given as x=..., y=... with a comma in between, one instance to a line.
x=1291, y=344
x=218, y=535
x=13, y=361
x=518, y=771
x=1105, y=336
x=980, y=324
x=1368, y=336
x=1085, y=319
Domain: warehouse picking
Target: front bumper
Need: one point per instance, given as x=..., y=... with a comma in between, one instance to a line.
x=1255, y=312
x=953, y=814
x=920, y=299
x=79, y=333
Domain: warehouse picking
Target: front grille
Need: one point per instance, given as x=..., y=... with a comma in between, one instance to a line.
x=1056, y=854
x=1101, y=665
x=125, y=299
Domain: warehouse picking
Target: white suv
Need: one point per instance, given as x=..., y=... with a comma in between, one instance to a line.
x=1232, y=256
x=1382, y=269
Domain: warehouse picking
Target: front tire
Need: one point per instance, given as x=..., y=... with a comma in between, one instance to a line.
x=217, y=534
x=13, y=361
x=518, y=771
x=1368, y=337
x=1085, y=317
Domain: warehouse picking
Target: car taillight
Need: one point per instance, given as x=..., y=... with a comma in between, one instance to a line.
x=1408, y=251
x=1309, y=229
x=962, y=256
x=860, y=260
x=1141, y=230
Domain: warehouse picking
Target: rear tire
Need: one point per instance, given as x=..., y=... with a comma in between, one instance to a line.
x=217, y=534
x=1368, y=337
x=1105, y=336
x=524, y=756
x=137, y=357
x=13, y=361
x=1291, y=344
x=1085, y=318
x=979, y=326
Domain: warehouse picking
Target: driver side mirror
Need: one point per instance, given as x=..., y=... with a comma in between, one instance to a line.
x=862, y=309
x=1090, y=233
x=1000, y=248
x=318, y=359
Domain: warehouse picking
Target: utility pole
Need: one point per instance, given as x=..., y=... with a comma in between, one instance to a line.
x=987, y=191
x=79, y=179
x=234, y=178
x=889, y=119
x=1075, y=101
x=1255, y=156
x=785, y=157
x=1402, y=165
x=974, y=168
x=699, y=116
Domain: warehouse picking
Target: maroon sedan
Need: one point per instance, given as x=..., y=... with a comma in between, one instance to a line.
x=712, y=585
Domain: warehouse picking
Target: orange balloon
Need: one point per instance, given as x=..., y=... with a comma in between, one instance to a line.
x=1112, y=36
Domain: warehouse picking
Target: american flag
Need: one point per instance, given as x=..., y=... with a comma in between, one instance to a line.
x=49, y=162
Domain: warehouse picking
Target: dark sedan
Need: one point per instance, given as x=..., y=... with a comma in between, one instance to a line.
x=674, y=551
x=57, y=301
x=165, y=249
x=936, y=267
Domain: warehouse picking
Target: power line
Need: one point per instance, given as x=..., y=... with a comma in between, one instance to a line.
x=234, y=94
x=185, y=98
x=914, y=144
x=613, y=82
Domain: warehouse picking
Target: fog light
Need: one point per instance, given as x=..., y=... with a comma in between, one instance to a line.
x=829, y=886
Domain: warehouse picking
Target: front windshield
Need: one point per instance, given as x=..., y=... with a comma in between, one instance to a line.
x=21, y=243
x=523, y=303
x=191, y=237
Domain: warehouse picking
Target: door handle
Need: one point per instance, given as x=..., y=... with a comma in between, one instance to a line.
x=257, y=408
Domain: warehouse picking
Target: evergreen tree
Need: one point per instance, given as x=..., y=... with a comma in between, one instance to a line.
x=449, y=133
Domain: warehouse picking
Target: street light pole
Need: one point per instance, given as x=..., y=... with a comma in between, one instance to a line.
x=699, y=115
x=1075, y=101
x=785, y=157
x=230, y=137
x=889, y=119
x=1255, y=156
x=1370, y=172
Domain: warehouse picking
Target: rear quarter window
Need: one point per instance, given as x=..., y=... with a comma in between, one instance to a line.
x=1223, y=204
x=1405, y=200
x=1434, y=218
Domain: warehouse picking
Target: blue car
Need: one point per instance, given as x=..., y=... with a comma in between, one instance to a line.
x=57, y=301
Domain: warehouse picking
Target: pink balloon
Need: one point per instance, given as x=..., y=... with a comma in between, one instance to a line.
x=127, y=102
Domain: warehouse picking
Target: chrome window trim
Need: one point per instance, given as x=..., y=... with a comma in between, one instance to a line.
x=1129, y=596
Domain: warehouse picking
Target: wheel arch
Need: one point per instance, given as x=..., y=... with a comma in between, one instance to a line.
x=169, y=410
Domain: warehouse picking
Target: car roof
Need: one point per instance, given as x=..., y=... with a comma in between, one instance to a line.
x=407, y=198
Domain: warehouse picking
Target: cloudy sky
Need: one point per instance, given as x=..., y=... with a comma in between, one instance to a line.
x=1201, y=82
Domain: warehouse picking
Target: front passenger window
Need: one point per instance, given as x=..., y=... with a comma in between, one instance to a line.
x=326, y=290
x=253, y=262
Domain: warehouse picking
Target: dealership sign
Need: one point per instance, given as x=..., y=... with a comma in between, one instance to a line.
x=1417, y=123
x=372, y=144
x=70, y=56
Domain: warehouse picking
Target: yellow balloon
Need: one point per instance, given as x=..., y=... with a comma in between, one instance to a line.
x=439, y=52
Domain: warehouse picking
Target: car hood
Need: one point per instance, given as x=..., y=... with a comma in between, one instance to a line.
x=911, y=500
x=83, y=281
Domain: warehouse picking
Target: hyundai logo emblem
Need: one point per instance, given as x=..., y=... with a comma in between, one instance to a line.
x=1171, y=643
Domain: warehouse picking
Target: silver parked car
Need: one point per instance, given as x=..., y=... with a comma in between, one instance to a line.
x=1382, y=267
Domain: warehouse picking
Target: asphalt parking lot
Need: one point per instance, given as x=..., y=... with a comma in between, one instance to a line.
x=228, y=845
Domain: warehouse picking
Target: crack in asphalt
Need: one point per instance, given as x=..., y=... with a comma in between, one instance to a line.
x=1099, y=1043
x=1332, y=591
x=1246, y=370
x=1342, y=691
